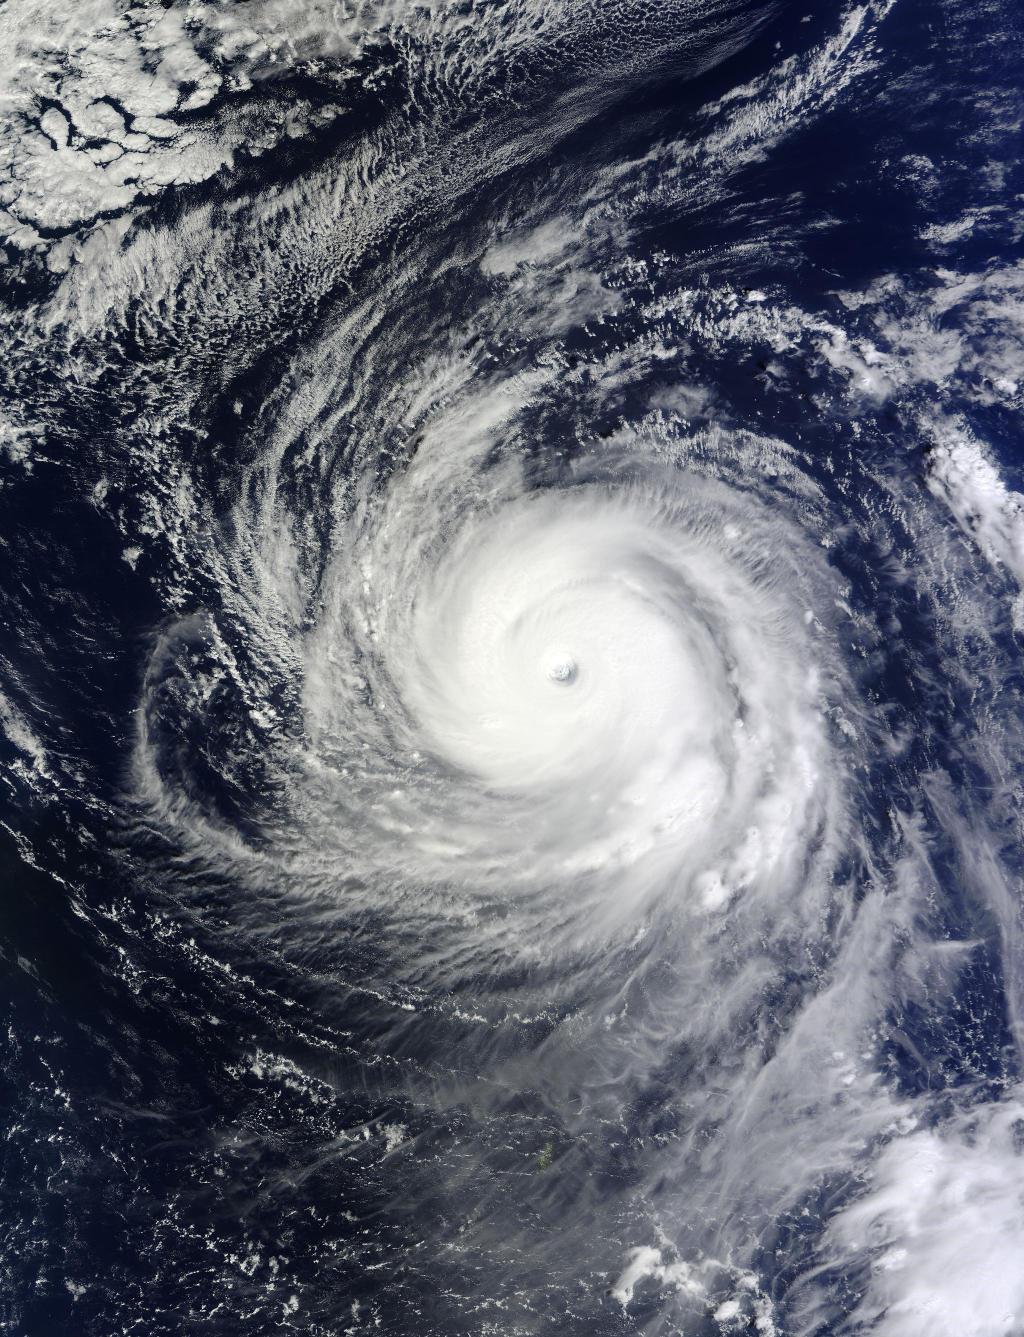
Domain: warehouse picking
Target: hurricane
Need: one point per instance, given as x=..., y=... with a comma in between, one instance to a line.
x=510, y=692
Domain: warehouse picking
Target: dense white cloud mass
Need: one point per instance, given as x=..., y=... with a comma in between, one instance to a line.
x=943, y=1225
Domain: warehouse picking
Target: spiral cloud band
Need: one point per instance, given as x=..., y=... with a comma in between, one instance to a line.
x=519, y=752
x=580, y=678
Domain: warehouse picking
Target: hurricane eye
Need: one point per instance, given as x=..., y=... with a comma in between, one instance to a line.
x=563, y=669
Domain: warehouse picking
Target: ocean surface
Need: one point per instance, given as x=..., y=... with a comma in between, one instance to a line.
x=512, y=601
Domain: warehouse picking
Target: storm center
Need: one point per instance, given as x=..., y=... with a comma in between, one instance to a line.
x=562, y=669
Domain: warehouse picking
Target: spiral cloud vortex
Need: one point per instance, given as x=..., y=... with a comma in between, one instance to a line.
x=514, y=758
